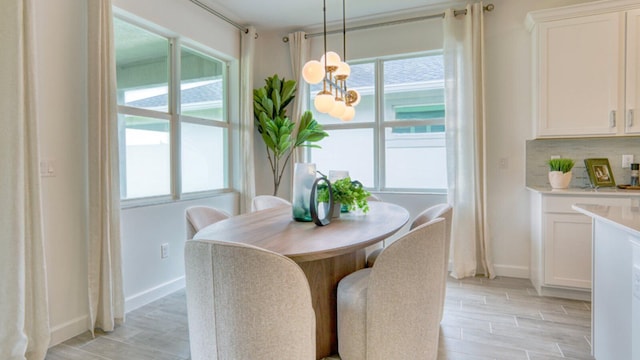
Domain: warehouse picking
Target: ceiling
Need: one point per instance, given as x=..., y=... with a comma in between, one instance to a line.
x=307, y=14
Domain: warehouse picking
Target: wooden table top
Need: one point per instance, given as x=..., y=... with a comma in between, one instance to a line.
x=274, y=229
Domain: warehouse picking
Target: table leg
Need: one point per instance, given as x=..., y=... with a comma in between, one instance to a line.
x=323, y=276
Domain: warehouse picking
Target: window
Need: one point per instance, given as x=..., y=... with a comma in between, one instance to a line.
x=396, y=140
x=172, y=115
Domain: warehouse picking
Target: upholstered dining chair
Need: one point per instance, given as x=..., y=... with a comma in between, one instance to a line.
x=444, y=211
x=200, y=216
x=262, y=202
x=244, y=302
x=391, y=310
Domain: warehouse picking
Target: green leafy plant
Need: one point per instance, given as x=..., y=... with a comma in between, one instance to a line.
x=564, y=165
x=346, y=192
x=275, y=127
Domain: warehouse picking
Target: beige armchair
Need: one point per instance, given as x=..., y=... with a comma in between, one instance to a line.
x=262, y=202
x=200, y=216
x=392, y=310
x=444, y=211
x=244, y=302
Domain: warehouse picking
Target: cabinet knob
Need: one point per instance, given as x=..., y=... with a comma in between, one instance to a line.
x=630, y=118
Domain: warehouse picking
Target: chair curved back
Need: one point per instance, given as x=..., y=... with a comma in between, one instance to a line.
x=200, y=216
x=262, y=202
x=444, y=211
x=244, y=302
x=404, y=296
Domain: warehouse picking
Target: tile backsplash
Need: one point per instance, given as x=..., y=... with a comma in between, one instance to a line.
x=540, y=151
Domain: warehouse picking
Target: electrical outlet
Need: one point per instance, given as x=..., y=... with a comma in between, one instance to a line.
x=555, y=157
x=164, y=251
x=626, y=161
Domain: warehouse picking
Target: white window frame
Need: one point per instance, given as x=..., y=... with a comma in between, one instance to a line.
x=175, y=118
x=380, y=124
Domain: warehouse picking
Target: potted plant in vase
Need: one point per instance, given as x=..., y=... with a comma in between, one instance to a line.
x=275, y=127
x=348, y=195
x=560, y=172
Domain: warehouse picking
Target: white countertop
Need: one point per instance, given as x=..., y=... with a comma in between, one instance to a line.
x=604, y=191
x=624, y=217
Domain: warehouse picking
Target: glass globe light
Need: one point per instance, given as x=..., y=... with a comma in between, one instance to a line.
x=355, y=94
x=343, y=70
x=324, y=102
x=338, y=108
x=349, y=113
x=333, y=59
x=313, y=72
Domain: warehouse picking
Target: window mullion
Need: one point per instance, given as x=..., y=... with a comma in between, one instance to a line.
x=174, y=110
x=379, y=133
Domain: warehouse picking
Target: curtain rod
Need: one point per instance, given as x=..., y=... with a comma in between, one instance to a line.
x=488, y=7
x=214, y=12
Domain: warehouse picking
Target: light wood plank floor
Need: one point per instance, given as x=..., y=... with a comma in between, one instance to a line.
x=484, y=319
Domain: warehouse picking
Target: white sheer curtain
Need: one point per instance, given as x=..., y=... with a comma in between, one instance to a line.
x=24, y=310
x=299, y=53
x=248, y=173
x=106, y=297
x=465, y=137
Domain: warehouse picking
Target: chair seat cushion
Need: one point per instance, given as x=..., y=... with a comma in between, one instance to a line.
x=352, y=314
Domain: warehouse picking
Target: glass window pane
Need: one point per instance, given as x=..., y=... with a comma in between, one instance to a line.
x=202, y=85
x=204, y=157
x=414, y=89
x=145, y=162
x=362, y=79
x=142, y=61
x=415, y=160
x=350, y=150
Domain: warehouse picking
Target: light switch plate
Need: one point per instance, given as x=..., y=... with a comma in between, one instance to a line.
x=626, y=161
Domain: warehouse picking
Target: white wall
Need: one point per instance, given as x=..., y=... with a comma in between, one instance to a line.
x=147, y=276
x=508, y=111
x=61, y=105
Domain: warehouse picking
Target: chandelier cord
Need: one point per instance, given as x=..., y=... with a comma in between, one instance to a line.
x=344, y=35
x=324, y=10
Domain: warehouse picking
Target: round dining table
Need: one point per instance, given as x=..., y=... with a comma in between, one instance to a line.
x=326, y=254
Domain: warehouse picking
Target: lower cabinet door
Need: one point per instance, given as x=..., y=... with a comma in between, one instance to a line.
x=567, y=250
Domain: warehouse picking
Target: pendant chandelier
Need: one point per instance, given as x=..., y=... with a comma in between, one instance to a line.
x=334, y=98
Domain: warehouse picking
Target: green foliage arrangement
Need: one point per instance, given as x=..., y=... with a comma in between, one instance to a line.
x=349, y=193
x=269, y=107
x=564, y=165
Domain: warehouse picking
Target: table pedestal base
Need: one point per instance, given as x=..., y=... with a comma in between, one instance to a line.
x=323, y=276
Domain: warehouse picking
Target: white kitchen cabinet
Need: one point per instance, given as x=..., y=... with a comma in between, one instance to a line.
x=633, y=73
x=561, y=242
x=580, y=70
x=567, y=250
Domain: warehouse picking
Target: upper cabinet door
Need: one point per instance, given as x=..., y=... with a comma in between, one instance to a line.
x=632, y=120
x=579, y=77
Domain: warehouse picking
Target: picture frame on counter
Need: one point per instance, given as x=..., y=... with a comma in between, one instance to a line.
x=600, y=173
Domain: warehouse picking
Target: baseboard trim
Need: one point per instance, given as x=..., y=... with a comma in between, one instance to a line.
x=521, y=272
x=565, y=293
x=68, y=330
x=145, y=297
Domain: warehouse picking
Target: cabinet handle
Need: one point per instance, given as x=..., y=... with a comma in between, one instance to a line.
x=630, y=118
x=612, y=119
